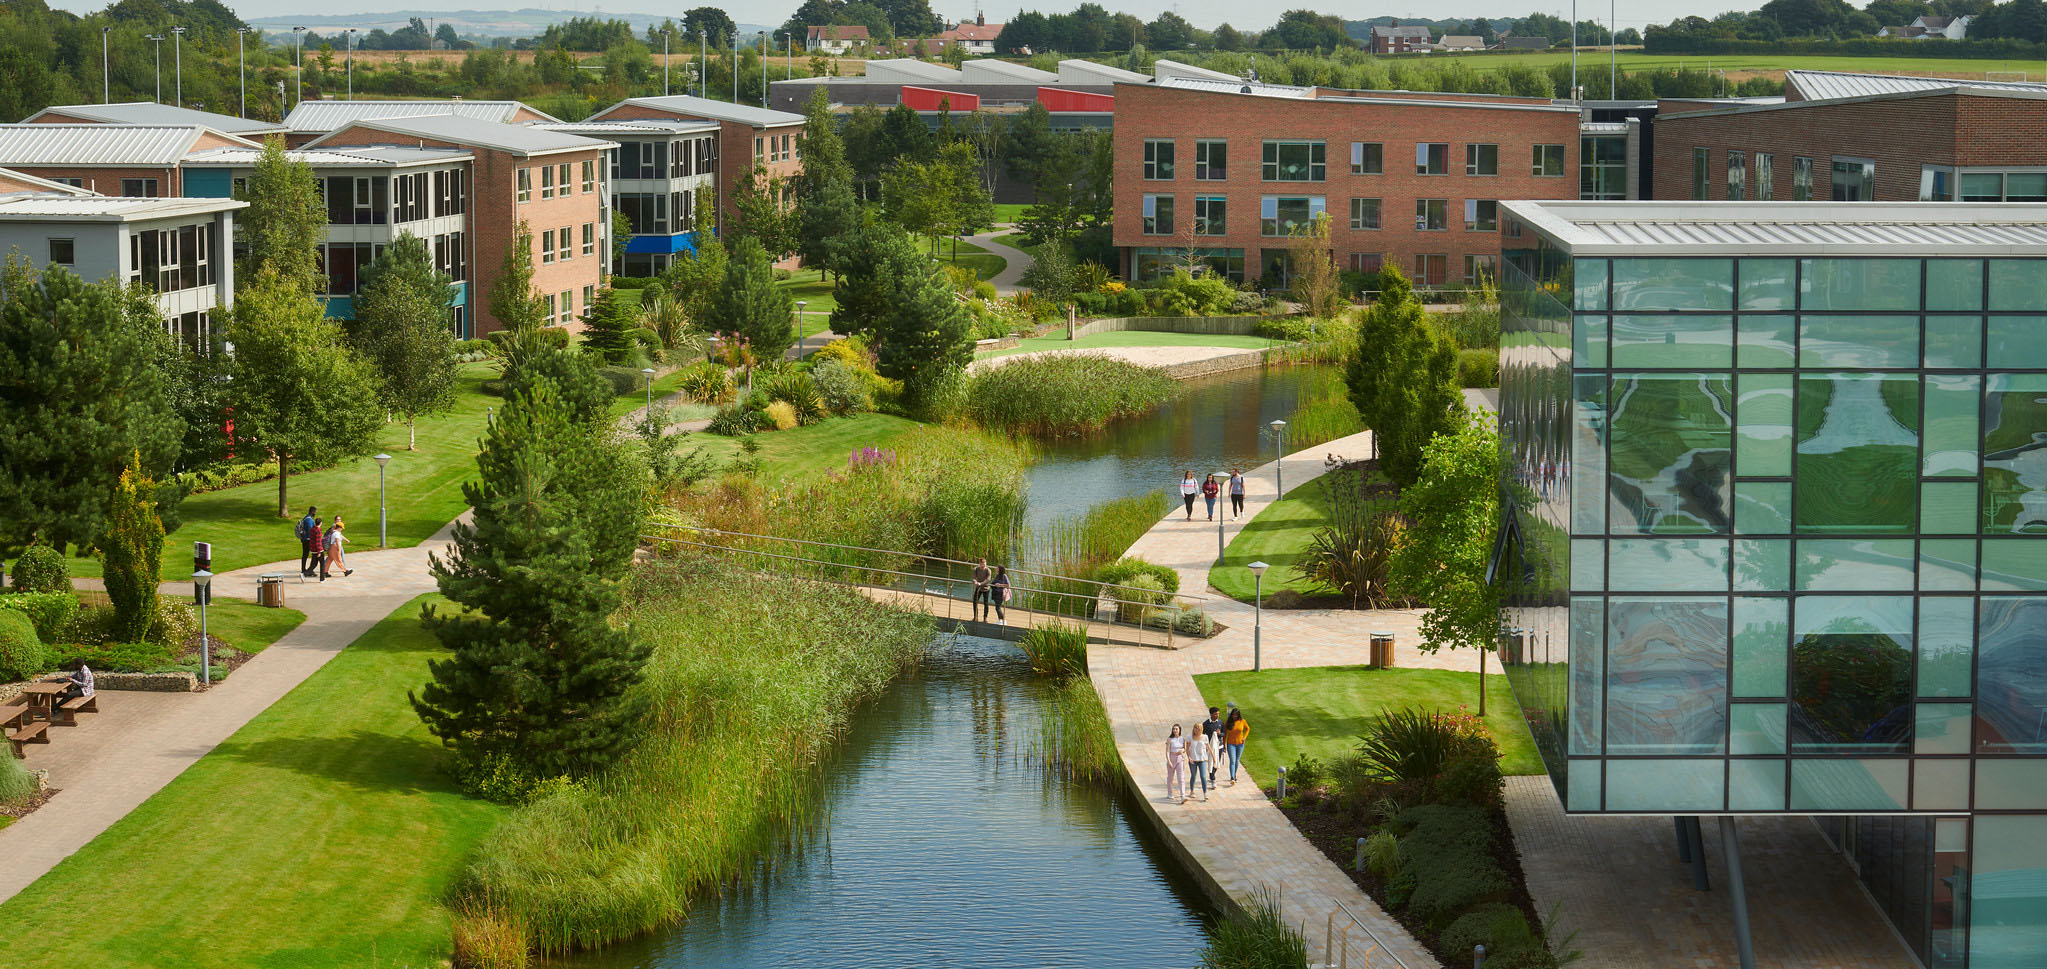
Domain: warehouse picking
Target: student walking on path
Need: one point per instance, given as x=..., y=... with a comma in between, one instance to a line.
x=998, y=590
x=1198, y=754
x=317, y=544
x=1188, y=489
x=309, y=527
x=1209, y=489
x=336, y=561
x=1236, y=730
x=1213, y=729
x=1236, y=493
x=1176, y=766
x=978, y=609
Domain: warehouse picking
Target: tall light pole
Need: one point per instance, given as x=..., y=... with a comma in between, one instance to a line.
x=178, y=61
x=789, y=55
x=157, y=40
x=1279, y=448
x=664, y=60
x=1219, y=544
x=106, y=71
x=1258, y=620
x=298, y=63
x=1613, y=50
x=703, y=65
x=648, y=372
x=348, y=45
x=242, y=56
x=735, y=67
x=800, y=305
x=764, y=68
x=383, y=513
x=1574, y=51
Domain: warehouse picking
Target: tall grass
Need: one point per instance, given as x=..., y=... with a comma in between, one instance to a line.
x=1325, y=413
x=1078, y=547
x=17, y=782
x=1257, y=937
x=1075, y=735
x=1056, y=649
x=752, y=681
x=1066, y=394
x=1333, y=340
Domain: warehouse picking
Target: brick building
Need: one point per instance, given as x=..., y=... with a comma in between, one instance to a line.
x=1860, y=138
x=1229, y=168
x=659, y=174
x=747, y=137
x=1395, y=39
x=135, y=161
x=553, y=182
x=310, y=120
x=152, y=113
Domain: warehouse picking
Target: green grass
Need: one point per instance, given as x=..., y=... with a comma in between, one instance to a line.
x=1135, y=338
x=816, y=293
x=323, y=833
x=1279, y=537
x=247, y=626
x=1320, y=711
x=1009, y=212
x=804, y=451
x=1741, y=65
x=985, y=264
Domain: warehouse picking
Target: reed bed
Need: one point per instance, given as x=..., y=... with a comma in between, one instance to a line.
x=1056, y=649
x=1335, y=340
x=1324, y=414
x=1255, y=937
x=1068, y=394
x=1079, y=546
x=1075, y=736
x=752, y=681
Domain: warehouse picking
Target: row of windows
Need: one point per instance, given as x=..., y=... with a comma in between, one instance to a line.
x=656, y=213
x=559, y=245
x=1940, y=183
x=1307, y=161
x=1430, y=269
x=169, y=259
x=1279, y=215
x=344, y=266
x=561, y=309
x=367, y=199
x=1851, y=179
x=774, y=148
x=555, y=180
x=665, y=159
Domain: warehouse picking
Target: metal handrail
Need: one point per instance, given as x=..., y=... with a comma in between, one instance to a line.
x=1343, y=953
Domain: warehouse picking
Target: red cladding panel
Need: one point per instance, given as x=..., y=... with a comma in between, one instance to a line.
x=933, y=99
x=1055, y=99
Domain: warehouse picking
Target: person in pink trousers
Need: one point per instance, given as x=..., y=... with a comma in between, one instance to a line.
x=1176, y=766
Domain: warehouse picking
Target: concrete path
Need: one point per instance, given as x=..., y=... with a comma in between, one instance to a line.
x=1010, y=279
x=138, y=742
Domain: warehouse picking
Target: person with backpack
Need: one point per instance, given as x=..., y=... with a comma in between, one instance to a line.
x=307, y=528
x=316, y=543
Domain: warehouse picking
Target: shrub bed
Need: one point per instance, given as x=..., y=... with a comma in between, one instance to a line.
x=1067, y=394
x=48, y=612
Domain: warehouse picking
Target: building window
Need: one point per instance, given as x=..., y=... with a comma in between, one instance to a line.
x=1431, y=269
x=589, y=176
x=1801, y=179
x=552, y=308
x=1367, y=158
x=1481, y=159
x=1295, y=161
x=562, y=178
x=1432, y=215
x=138, y=188
x=1364, y=214
x=1854, y=180
x=561, y=238
x=1603, y=167
x=1279, y=214
x=1481, y=271
x=589, y=238
x=1481, y=215
x=1702, y=159
x=759, y=149
x=1158, y=160
x=645, y=213
x=1547, y=161
x=1367, y=262
x=239, y=184
x=1158, y=215
x=1737, y=176
x=547, y=181
x=589, y=296
x=568, y=306
x=1211, y=215
x=63, y=252
x=1765, y=176
x=547, y=246
x=525, y=185
x=1945, y=185
x=1432, y=159
x=1211, y=160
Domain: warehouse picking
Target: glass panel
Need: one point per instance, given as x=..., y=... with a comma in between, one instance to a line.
x=1583, y=785
x=1673, y=284
x=1762, y=449
x=1849, y=785
x=1947, y=636
x=1588, y=565
x=1674, y=341
x=1858, y=341
x=1663, y=785
x=2014, y=463
x=1954, y=342
x=1588, y=343
x=1762, y=565
x=1851, y=565
x=1588, y=661
x=1947, y=565
x=2018, y=285
x=1768, y=341
x=1756, y=728
x=1666, y=676
x=1851, y=674
x=2014, y=565
x=1767, y=284
x=1943, y=728
x=1669, y=456
x=1589, y=293
x=1954, y=284
x=2011, y=785
x=2014, y=341
x=1755, y=785
x=1858, y=451
x=1761, y=627
x=1588, y=458
x=2011, y=676
x=1860, y=284
x=1947, y=508
x=1940, y=785
x=2007, y=898
x=1667, y=565
x=1762, y=507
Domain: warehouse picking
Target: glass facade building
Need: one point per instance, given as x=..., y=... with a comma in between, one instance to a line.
x=1777, y=539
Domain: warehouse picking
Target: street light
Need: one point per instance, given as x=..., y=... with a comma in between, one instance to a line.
x=664, y=60
x=202, y=582
x=348, y=45
x=383, y=512
x=1258, y=620
x=703, y=64
x=178, y=61
x=242, y=56
x=298, y=63
x=1225, y=475
x=649, y=371
x=157, y=40
x=789, y=55
x=800, y=304
x=106, y=72
x=764, y=68
x=1279, y=449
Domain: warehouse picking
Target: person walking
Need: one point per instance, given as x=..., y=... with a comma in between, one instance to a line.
x=336, y=561
x=978, y=609
x=1213, y=729
x=318, y=544
x=1209, y=489
x=1236, y=493
x=998, y=589
x=1176, y=766
x=308, y=527
x=1199, y=750
x=1188, y=489
x=1236, y=730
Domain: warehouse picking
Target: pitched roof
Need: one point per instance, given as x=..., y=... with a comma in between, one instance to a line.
x=368, y=156
x=1933, y=23
x=1796, y=228
x=836, y=32
x=1398, y=31
x=103, y=208
x=976, y=32
x=990, y=71
x=312, y=116
x=1462, y=40
x=1088, y=72
x=912, y=70
x=516, y=139
x=1162, y=69
x=1830, y=85
x=41, y=185
x=151, y=113
x=635, y=126
x=142, y=146
x=687, y=106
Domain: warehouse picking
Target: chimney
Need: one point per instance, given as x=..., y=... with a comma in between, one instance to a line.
x=980, y=19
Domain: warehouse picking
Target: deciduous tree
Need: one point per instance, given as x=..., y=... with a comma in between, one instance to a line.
x=401, y=326
x=1452, y=510
x=285, y=222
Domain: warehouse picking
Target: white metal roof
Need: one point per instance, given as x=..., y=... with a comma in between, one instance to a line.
x=1074, y=71
x=1832, y=85
x=989, y=71
x=637, y=126
x=1790, y=228
x=152, y=113
x=372, y=156
x=43, y=185
x=142, y=146
x=514, y=138
x=694, y=107
x=1231, y=85
x=99, y=208
x=312, y=116
x=912, y=70
x=1162, y=69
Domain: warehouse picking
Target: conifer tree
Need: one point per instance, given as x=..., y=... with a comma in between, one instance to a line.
x=826, y=212
x=401, y=325
x=608, y=328
x=1403, y=378
x=749, y=304
x=131, y=552
x=892, y=295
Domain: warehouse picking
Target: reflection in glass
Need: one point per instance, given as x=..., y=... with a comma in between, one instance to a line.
x=1947, y=638
x=1666, y=564
x=1588, y=342
x=1669, y=454
x=2014, y=341
x=1767, y=284
x=1673, y=284
x=1949, y=940
x=1666, y=677
x=1858, y=452
x=1755, y=728
x=1588, y=564
x=1755, y=785
x=1860, y=284
x=2011, y=783
x=1663, y=785
x=1767, y=341
x=2011, y=676
x=1940, y=785
x=1851, y=674
x=1947, y=508
x=1858, y=341
x=1762, y=565
x=2015, y=453
x=1588, y=456
x=1954, y=342
x=1947, y=565
x=1588, y=657
x=2017, y=286
x=1589, y=292
x=2007, y=892
x=1762, y=507
x=1954, y=284
x=1826, y=784
x=1668, y=341
x=1942, y=728
x=2013, y=565
x=1856, y=565
x=1761, y=627
x=1953, y=402
x=1583, y=783
x=1762, y=446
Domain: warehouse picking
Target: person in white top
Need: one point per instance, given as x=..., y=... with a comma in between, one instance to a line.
x=1189, y=490
x=1199, y=751
x=1176, y=766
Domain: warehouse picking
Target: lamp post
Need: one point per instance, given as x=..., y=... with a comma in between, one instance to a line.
x=202, y=582
x=649, y=373
x=1279, y=449
x=664, y=60
x=178, y=62
x=703, y=66
x=1258, y=620
x=735, y=67
x=242, y=58
x=106, y=71
x=348, y=46
x=789, y=55
x=383, y=507
x=157, y=41
x=764, y=68
x=298, y=63
x=1219, y=545
x=800, y=304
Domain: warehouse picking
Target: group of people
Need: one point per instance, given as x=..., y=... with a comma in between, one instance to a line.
x=320, y=546
x=991, y=589
x=1198, y=758
x=1209, y=491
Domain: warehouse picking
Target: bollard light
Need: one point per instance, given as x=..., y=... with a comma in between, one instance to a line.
x=202, y=582
x=1281, y=792
x=1258, y=620
x=1358, y=864
x=649, y=372
x=383, y=506
x=800, y=305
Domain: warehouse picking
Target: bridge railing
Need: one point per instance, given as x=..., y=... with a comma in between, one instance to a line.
x=944, y=587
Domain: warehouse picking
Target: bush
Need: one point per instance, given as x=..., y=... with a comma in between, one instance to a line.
x=1510, y=942
x=1138, y=598
x=1056, y=649
x=623, y=380
x=41, y=569
x=781, y=415
x=734, y=422
x=89, y=626
x=1121, y=571
x=706, y=383
x=1193, y=622
x=1478, y=368
x=843, y=389
x=1353, y=554
x=1473, y=777
x=1255, y=937
x=985, y=290
x=48, y=612
x=1382, y=854
x=1411, y=746
x=22, y=654
x=175, y=627
x=797, y=390
x=502, y=778
x=851, y=351
x=1305, y=773
x=1184, y=295
x=632, y=282
x=1293, y=329
x=1449, y=850
x=117, y=657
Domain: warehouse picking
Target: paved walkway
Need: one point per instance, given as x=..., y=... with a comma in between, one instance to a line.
x=1010, y=279
x=138, y=742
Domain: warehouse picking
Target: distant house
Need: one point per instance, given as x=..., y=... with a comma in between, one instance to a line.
x=1930, y=28
x=836, y=40
x=1395, y=39
x=1537, y=42
x=1456, y=42
x=975, y=38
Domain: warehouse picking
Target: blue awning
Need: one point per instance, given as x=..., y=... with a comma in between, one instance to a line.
x=662, y=245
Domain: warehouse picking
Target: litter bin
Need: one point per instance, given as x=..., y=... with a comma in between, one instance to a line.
x=1382, y=650
x=270, y=590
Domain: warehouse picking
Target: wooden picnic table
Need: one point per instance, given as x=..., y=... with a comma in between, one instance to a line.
x=42, y=695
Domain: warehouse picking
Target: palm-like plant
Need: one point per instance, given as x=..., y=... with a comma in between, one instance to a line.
x=669, y=319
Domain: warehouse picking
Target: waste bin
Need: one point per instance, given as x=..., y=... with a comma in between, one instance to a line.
x=1382, y=650
x=270, y=590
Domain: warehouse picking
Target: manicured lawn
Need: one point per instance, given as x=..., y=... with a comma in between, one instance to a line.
x=816, y=293
x=1320, y=711
x=325, y=832
x=1006, y=213
x=1057, y=340
x=985, y=264
x=1279, y=537
x=247, y=626
x=802, y=451
x=664, y=385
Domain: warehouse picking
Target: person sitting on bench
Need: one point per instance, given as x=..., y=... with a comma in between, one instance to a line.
x=81, y=682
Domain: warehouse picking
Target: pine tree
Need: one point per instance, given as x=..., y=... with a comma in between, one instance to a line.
x=401, y=326
x=748, y=303
x=285, y=222
x=608, y=328
x=132, y=553
x=892, y=295
x=826, y=212
x=1403, y=378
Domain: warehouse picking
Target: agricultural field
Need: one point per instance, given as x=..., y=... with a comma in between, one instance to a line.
x=1743, y=66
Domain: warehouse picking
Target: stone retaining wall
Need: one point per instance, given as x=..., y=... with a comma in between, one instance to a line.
x=1208, y=325
x=1215, y=365
x=1003, y=343
x=146, y=682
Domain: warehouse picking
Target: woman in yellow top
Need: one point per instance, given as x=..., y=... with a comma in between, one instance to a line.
x=1236, y=730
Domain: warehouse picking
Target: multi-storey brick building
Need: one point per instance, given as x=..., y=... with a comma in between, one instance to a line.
x=659, y=173
x=1860, y=138
x=136, y=161
x=1230, y=169
x=310, y=120
x=748, y=137
x=553, y=182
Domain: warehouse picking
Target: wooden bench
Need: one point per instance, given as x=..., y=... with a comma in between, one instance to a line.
x=66, y=712
x=14, y=714
x=29, y=733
